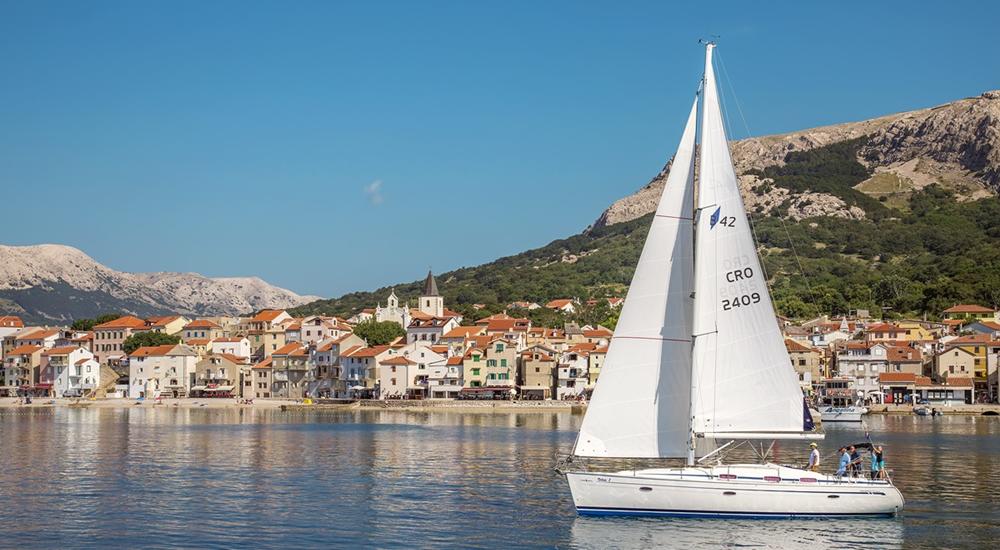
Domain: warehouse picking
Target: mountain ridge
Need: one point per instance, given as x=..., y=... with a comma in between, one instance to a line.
x=49, y=283
x=959, y=140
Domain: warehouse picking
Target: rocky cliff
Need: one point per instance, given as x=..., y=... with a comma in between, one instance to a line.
x=956, y=145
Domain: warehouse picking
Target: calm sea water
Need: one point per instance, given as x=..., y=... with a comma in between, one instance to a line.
x=158, y=478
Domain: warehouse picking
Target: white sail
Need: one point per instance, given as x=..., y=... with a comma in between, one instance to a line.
x=641, y=404
x=743, y=381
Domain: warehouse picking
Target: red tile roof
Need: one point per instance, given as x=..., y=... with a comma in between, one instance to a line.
x=494, y=317
x=897, y=377
x=454, y=360
x=26, y=349
x=265, y=364
x=201, y=323
x=267, y=315
x=968, y=308
x=885, y=327
x=898, y=354
x=560, y=303
x=162, y=321
x=39, y=334
x=398, y=360
x=65, y=350
x=233, y=358
x=153, y=351
x=796, y=346
x=11, y=321
x=464, y=332
x=958, y=381
x=287, y=349
x=127, y=321
x=370, y=351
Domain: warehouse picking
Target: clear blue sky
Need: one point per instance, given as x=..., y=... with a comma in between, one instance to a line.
x=246, y=138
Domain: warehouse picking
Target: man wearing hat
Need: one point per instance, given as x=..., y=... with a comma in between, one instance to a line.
x=813, y=458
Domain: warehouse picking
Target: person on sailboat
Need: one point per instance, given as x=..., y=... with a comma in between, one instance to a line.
x=845, y=461
x=878, y=463
x=813, y=458
x=855, y=461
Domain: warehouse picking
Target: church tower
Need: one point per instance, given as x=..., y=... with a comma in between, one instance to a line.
x=431, y=303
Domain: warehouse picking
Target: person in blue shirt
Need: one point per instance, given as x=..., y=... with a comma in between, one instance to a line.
x=845, y=460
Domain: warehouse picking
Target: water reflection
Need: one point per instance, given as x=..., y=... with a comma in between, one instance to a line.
x=700, y=533
x=244, y=477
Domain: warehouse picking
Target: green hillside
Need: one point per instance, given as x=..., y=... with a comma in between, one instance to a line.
x=915, y=260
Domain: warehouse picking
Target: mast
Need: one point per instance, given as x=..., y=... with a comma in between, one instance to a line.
x=694, y=235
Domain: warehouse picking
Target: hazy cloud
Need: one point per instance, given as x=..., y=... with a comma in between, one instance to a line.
x=374, y=192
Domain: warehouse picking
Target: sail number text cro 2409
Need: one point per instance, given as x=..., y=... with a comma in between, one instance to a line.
x=740, y=289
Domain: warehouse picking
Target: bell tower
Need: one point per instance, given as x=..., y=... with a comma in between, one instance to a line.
x=431, y=303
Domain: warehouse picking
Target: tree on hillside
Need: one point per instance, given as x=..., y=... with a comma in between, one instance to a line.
x=144, y=339
x=379, y=333
x=88, y=324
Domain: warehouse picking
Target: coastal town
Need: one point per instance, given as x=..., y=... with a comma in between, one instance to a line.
x=442, y=356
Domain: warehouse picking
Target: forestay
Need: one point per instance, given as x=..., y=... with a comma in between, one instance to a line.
x=641, y=405
x=743, y=381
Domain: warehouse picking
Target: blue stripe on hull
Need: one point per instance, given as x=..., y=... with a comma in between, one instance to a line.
x=594, y=511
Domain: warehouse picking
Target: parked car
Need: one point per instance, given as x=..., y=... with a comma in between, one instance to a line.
x=73, y=392
x=923, y=402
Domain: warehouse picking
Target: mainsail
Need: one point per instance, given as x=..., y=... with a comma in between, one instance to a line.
x=743, y=382
x=641, y=406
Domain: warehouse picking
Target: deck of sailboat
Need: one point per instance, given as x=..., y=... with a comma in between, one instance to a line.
x=756, y=473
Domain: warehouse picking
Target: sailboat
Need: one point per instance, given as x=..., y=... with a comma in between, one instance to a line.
x=697, y=365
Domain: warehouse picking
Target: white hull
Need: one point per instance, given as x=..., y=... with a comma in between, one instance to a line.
x=766, y=491
x=841, y=414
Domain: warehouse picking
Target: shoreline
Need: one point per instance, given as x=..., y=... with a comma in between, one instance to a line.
x=422, y=406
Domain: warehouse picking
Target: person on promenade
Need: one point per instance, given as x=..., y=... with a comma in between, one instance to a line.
x=855, y=461
x=813, y=458
x=878, y=463
x=845, y=461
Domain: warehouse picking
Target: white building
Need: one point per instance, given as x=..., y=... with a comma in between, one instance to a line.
x=407, y=372
x=165, y=371
x=74, y=371
x=429, y=330
x=864, y=362
x=393, y=311
x=572, y=374
x=316, y=329
x=444, y=380
x=240, y=347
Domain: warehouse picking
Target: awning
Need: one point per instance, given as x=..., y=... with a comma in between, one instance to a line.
x=197, y=388
x=355, y=388
x=535, y=388
x=220, y=388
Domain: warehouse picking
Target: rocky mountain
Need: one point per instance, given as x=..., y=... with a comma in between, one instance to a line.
x=53, y=283
x=956, y=145
x=894, y=214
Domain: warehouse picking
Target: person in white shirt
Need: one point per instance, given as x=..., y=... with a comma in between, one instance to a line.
x=813, y=458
